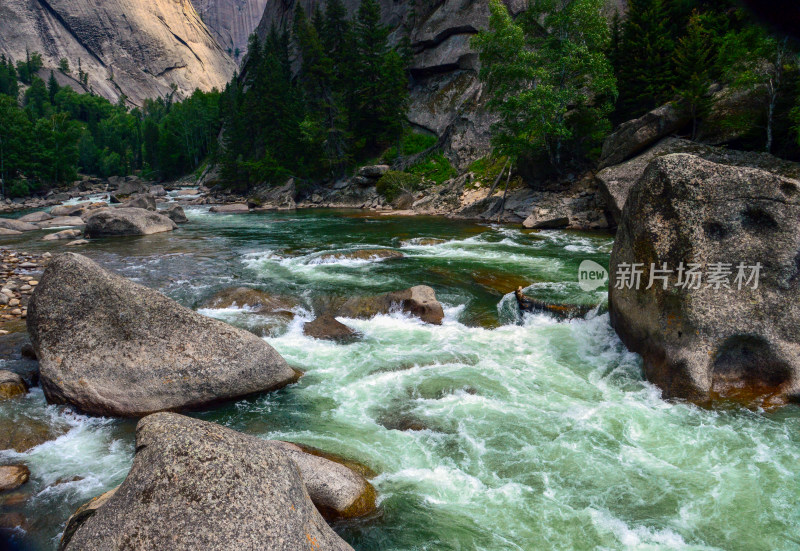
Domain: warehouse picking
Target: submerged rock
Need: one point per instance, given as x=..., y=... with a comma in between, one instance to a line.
x=196, y=485
x=111, y=347
x=260, y=302
x=363, y=254
x=562, y=311
x=13, y=476
x=708, y=338
x=237, y=208
x=327, y=327
x=22, y=433
x=11, y=385
x=127, y=221
x=6, y=231
x=418, y=301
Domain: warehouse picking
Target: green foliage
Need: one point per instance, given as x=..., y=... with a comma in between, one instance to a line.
x=487, y=169
x=434, y=168
x=26, y=70
x=59, y=132
x=694, y=58
x=63, y=66
x=8, y=77
x=546, y=70
x=412, y=143
x=394, y=183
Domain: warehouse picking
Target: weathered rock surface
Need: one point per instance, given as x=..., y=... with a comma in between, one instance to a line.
x=139, y=49
x=176, y=214
x=11, y=385
x=337, y=491
x=6, y=231
x=195, y=485
x=279, y=198
x=111, y=347
x=236, y=208
x=633, y=137
x=13, y=476
x=127, y=221
x=617, y=181
x=418, y=301
x=546, y=219
x=327, y=327
x=703, y=343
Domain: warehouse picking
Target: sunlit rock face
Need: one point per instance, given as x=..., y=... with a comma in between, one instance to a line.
x=136, y=49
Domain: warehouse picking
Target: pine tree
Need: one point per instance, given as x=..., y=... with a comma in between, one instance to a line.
x=693, y=60
x=52, y=88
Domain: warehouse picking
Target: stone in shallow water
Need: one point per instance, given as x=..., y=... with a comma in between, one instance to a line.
x=418, y=301
x=326, y=327
x=196, y=485
x=111, y=347
x=11, y=385
x=13, y=476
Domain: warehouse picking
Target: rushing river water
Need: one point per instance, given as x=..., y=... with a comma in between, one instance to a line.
x=491, y=432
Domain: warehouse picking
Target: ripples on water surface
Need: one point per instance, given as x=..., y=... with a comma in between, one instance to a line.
x=488, y=433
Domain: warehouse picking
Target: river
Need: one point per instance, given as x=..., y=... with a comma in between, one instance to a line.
x=490, y=432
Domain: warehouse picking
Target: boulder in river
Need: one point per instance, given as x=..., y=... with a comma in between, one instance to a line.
x=39, y=216
x=259, y=302
x=337, y=491
x=61, y=222
x=197, y=485
x=561, y=311
x=235, y=208
x=418, y=301
x=362, y=254
x=175, y=213
x=13, y=476
x=111, y=347
x=141, y=201
x=127, y=221
x=17, y=225
x=6, y=231
x=11, y=385
x=327, y=327
x=722, y=317
x=68, y=210
x=64, y=234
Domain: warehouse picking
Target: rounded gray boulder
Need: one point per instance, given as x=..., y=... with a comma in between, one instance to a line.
x=127, y=221
x=197, y=485
x=111, y=347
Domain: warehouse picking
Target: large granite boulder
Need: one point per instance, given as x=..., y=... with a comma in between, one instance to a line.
x=615, y=182
x=38, y=216
x=127, y=221
x=418, y=301
x=633, y=137
x=196, y=485
x=698, y=341
x=111, y=347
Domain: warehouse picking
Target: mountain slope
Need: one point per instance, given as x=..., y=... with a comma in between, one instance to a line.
x=139, y=49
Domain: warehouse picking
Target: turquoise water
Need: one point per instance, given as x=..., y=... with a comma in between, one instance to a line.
x=490, y=432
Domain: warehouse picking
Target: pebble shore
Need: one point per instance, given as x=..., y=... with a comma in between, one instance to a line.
x=19, y=276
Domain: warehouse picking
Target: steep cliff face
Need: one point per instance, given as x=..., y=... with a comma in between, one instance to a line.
x=139, y=49
x=231, y=21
